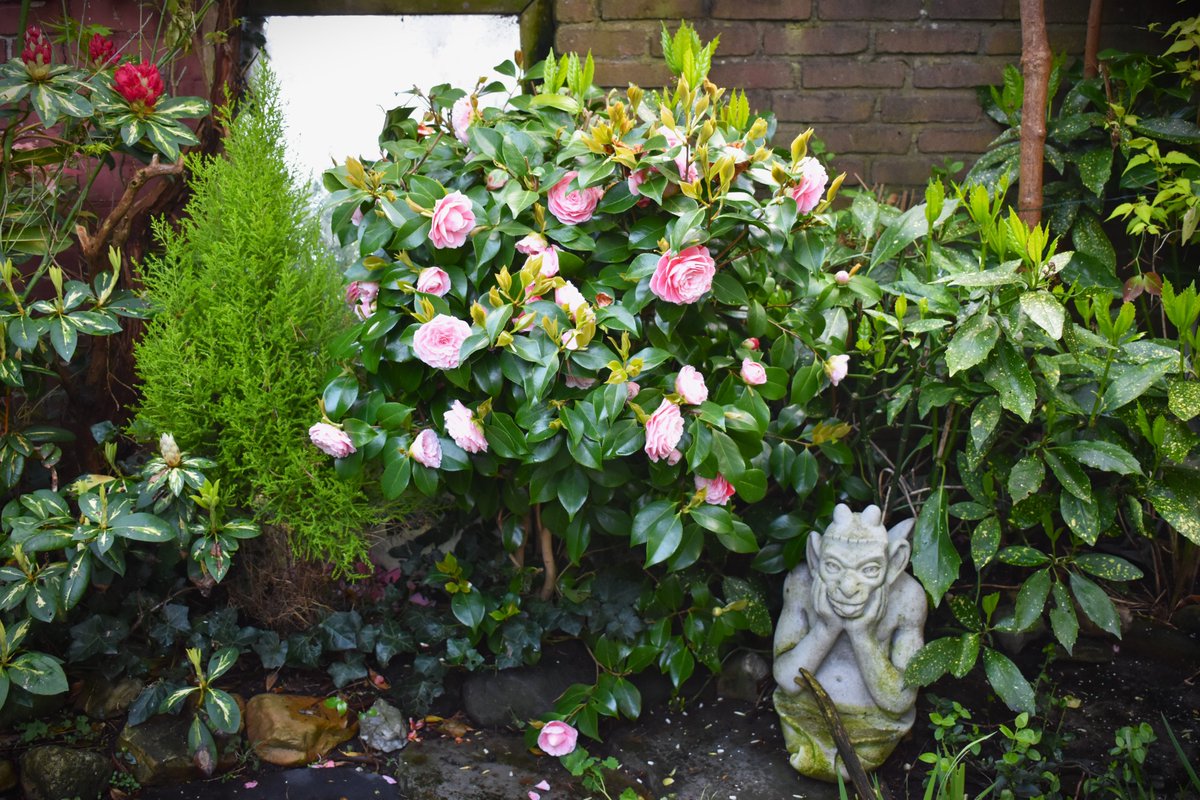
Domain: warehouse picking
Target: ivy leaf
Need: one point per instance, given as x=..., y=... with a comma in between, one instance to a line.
x=1010, y=685
x=1009, y=375
x=985, y=542
x=933, y=661
x=972, y=343
x=1096, y=604
x=1110, y=568
x=1063, y=621
x=935, y=559
x=1031, y=600
x=1041, y=307
x=1103, y=456
x=1026, y=477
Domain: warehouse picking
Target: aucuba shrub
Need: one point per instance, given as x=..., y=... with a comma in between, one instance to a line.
x=576, y=319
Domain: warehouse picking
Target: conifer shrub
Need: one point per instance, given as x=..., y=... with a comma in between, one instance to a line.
x=246, y=303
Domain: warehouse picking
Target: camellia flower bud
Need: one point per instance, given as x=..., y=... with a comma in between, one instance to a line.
x=101, y=51
x=37, y=54
x=140, y=84
x=750, y=343
x=169, y=450
x=496, y=179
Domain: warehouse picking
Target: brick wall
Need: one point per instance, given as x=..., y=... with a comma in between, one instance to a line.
x=888, y=84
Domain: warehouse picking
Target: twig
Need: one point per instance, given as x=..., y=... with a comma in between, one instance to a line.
x=546, y=543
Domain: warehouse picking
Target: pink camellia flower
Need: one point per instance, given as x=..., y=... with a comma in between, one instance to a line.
x=687, y=170
x=462, y=114
x=753, y=372
x=426, y=449
x=532, y=244
x=496, y=179
x=572, y=208
x=717, y=491
x=683, y=277
x=570, y=298
x=811, y=187
x=453, y=220
x=37, y=54
x=331, y=440
x=664, y=429
x=424, y=129
x=675, y=456
x=570, y=339
x=635, y=181
x=841, y=277
x=557, y=738
x=101, y=51
x=549, y=261
x=689, y=384
x=361, y=296
x=837, y=367
x=439, y=341
x=464, y=429
x=632, y=387
x=750, y=343
x=433, y=280
x=140, y=84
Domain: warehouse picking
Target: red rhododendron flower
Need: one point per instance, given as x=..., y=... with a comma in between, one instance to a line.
x=37, y=53
x=101, y=51
x=140, y=84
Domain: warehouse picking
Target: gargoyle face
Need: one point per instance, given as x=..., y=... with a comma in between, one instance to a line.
x=852, y=572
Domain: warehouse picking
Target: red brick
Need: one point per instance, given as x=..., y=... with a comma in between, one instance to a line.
x=869, y=9
x=867, y=138
x=968, y=9
x=900, y=171
x=933, y=106
x=841, y=73
x=648, y=74
x=855, y=167
x=817, y=40
x=956, y=140
x=1068, y=11
x=824, y=106
x=956, y=74
x=741, y=74
x=926, y=40
x=1003, y=40
x=762, y=9
x=602, y=40
x=737, y=38
x=651, y=9
x=574, y=10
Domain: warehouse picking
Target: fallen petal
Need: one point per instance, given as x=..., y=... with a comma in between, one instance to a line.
x=250, y=784
x=534, y=796
x=389, y=779
x=545, y=787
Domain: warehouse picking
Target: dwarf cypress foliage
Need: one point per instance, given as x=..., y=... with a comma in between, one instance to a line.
x=246, y=301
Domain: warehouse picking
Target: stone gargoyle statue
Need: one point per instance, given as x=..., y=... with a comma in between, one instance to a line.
x=854, y=618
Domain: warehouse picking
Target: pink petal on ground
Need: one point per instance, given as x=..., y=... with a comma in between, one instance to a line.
x=545, y=787
x=534, y=796
x=250, y=784
x=389, y=779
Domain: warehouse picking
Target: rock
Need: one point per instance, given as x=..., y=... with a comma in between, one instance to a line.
x=499, y=699
x=742, y=677
x=157, y=750
x=102, y=699
x=292, y=730
x=383, y=728
x=8, y=775
x=51, y=772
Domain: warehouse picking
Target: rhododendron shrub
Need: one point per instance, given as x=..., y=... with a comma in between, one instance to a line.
x=613, y=354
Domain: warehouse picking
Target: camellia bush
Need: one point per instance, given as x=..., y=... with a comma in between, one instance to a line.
x=577, y=320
